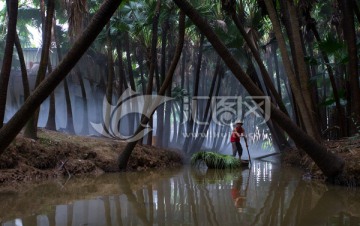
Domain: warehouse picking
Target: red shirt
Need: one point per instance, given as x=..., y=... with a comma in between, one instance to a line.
x=234, y=137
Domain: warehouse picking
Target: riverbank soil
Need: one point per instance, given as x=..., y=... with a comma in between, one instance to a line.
x=347, y=148
x=57, y=154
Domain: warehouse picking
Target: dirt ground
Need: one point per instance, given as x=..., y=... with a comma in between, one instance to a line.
x=57, y=154
x=346, y=148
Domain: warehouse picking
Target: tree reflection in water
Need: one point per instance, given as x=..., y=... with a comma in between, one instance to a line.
x=265, y=194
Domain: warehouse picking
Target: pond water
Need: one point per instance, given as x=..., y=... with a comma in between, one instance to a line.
x=264, y=194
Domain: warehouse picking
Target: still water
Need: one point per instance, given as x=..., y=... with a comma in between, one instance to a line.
x=264, y=194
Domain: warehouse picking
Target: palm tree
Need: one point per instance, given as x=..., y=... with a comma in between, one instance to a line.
x=330, y=164
x=190, y=124
x=51, y=124
x=125, y=155
x=98, y=22
x=69, y=122
x=311, y=25
x=229, y=6
x=9, y=48
x=214, y=91
x=303, y=101
x=153, y=61
x=24, y=74
x=352, y=67
x=31, y=128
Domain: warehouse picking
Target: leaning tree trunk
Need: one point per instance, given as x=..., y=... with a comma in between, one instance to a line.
x=330, y=164
x=300, y=100
x=125, y=155
x=279, y=138
x=13, y=127
x=24, y=74
x=231, y=10
x=302, y=67
x=8, y=54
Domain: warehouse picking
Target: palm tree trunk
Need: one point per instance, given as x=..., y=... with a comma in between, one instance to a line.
x=99, y=20
x=167, y=119
x=129, y=64
x=302, y=68
x=182, y=86
x=51, y=124
x=139, y=58
x=153, y=62
x=330, y=164
x=125, y=155
x=110, y=63
x=259, y=61
x=110, y=77
x=304, y=110
x=69, y=121
x=31, y=128
x=122, y=80
x=276, y=64
x=341, y=114
x=8, y=53
x=168, y=109
x=85, y=128
x=279, y=139
x=190, y=124
x=160, y=138
x=206, y=116
x=352, y=67
x=356, y=11
x=175, y=111
x=24, y=74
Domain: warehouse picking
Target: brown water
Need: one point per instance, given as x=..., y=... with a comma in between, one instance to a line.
x=265, y=194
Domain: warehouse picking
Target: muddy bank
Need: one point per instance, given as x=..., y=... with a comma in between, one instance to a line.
x=347, y=148
x=57, y=154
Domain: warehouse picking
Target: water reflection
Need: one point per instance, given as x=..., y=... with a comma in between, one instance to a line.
x=264, y=194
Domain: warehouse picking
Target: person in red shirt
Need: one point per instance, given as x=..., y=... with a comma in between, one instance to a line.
x=237, y=133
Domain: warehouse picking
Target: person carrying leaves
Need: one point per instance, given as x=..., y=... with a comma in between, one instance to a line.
x=236, y=134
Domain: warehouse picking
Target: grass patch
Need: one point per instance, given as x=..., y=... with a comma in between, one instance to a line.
x=215, y=160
